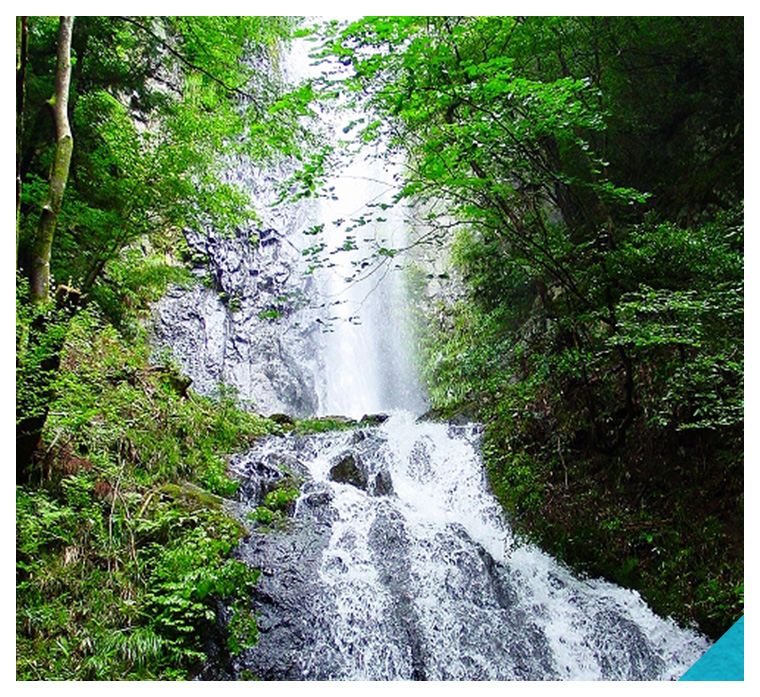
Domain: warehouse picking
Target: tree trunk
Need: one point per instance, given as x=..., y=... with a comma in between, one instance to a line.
x=29, y=426
x=21, y=39
x=59, y=172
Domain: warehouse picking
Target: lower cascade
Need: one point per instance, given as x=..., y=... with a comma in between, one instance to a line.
x=396, y=563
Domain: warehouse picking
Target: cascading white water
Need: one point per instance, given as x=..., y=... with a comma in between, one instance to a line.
x=368, y=342
x=408, y=570
x=368, y=349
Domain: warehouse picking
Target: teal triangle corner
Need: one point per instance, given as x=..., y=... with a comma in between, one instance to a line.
x=724, y=660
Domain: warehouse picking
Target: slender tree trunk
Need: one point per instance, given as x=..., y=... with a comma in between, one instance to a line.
x=29, y=425
x=21, y=38
x=59, y=172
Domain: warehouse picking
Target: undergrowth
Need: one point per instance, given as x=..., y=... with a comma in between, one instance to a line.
x=123, y=539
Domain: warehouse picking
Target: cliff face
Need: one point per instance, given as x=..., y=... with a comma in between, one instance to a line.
x=249, y=326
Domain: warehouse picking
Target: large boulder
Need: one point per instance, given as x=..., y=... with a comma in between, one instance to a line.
x=348, y=470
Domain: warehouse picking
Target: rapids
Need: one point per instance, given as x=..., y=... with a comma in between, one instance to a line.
x=421, y=578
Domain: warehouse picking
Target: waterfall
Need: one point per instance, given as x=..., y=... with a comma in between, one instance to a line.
x=369, y=361
x=396, y=562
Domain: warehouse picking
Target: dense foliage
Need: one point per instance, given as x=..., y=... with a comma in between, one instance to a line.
x=159, y=106
x=586, y=177
x=123, y=540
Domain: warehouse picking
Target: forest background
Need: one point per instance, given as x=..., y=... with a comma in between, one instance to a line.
x=750, y=294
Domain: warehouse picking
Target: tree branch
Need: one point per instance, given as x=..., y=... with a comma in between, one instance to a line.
x=191, y=65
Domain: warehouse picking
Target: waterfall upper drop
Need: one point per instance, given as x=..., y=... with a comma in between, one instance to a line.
x=287, y=334
x=369, y=349
x=338, y=339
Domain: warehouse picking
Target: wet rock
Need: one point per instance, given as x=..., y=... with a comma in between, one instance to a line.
x=218, y=665
x=358, y=437
x=389, y=542
x=373, y=419
x=621, y=636
x=348, y=470
x=318, y=499
x=283, y=599
x=261, y=474
x=288, y=464
x=383, y=484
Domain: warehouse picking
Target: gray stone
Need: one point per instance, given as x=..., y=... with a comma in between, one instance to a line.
x=383, y=485
x=348, y=470
x=251, y=329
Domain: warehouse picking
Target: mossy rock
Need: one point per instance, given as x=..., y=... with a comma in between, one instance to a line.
x=460, y=415
x=373, y=419
x=323, y=424
x=174, y=379
x=282, y=420
x=193, y=497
